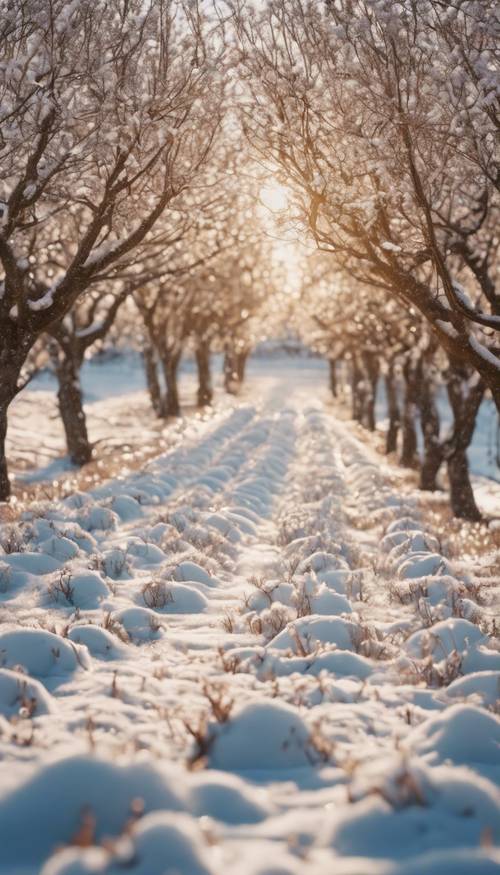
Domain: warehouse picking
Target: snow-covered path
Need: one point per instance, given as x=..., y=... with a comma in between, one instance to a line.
x=252, y=657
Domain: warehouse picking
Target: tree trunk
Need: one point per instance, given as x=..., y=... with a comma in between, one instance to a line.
x=371, y=369
x=14, y=348
x=357, y=390
x=465, y=401
x=71, y=409
x=170, y=368
x=4, y=476
x=152, y=381
x=409, y=455
x=391, y=441
x=231, y=378
x=332, y=364
x=462, y=501
x=433, y=450
x=241, y=364
x=431, y=463
x=205, y=391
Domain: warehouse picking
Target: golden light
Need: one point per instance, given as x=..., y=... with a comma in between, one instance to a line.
x=274, y=196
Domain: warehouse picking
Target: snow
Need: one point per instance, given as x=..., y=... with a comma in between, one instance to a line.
x=463, y=734
x=40, y=653
x=483, y=686
x=444, y=638
x=45, y=301
x=263, y=735
x=248, y=654
x=485, y=353
x=17, y=691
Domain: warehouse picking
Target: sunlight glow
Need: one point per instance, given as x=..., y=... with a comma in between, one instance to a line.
x=274, y=196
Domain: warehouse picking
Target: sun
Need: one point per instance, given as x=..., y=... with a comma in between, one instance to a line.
x=274, y=196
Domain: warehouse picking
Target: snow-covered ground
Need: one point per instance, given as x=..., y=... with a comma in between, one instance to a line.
x=119, y=420
x=249, y=655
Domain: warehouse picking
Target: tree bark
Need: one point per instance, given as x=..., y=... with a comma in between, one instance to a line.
x=241, y=364
x=465, y=401
x=152, y=381
x=391, y=441
x=4, y=475
x=14, y=348
x=170, y=369
x=70, y=401
x=409, y=447
x=431, y=427
x=357, y=390
x=462, y=501
x=205, y=391
x=371, y=370
x=332, y=365
x=431, y=463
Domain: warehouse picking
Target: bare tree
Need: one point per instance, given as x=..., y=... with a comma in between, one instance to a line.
x=351, y=101
x=88, y=322
x=109, y=109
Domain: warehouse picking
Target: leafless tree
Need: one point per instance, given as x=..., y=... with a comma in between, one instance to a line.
x=109, y=110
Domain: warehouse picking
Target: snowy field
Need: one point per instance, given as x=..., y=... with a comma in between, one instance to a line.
x=119, y=417
x=249, y=655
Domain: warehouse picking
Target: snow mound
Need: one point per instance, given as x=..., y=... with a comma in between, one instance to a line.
x=321, y=561
x=77, y=500
x=307, y=632
x=241, y=521
x=341, y=663
x=404, y=524
x=262, y=735
x=191, y=572
x=185, y=600
x=160, y=844
x=142, y=624
x=74, y=532
x=60, y=548
x=224, y=526
x=423, y=565
x=19, y=693
x=336, y=580
x=96, y=518
x=453, y=634
x=54, y=798
x=41, y=653
x=484, y=685
x=374, y=828
x=115, y=563
x=227, y=798
x=149, y=554
x=414, y=542
x=98, y=641
x=83, y=590
x=126, y=507
x=32, y=563
x=462, y=734
x=395, y=540
x=326, y=602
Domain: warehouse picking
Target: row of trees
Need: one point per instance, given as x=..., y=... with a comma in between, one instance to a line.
x=370, y=340
x=110, y=112
x=382, y=118
x=119, y=199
